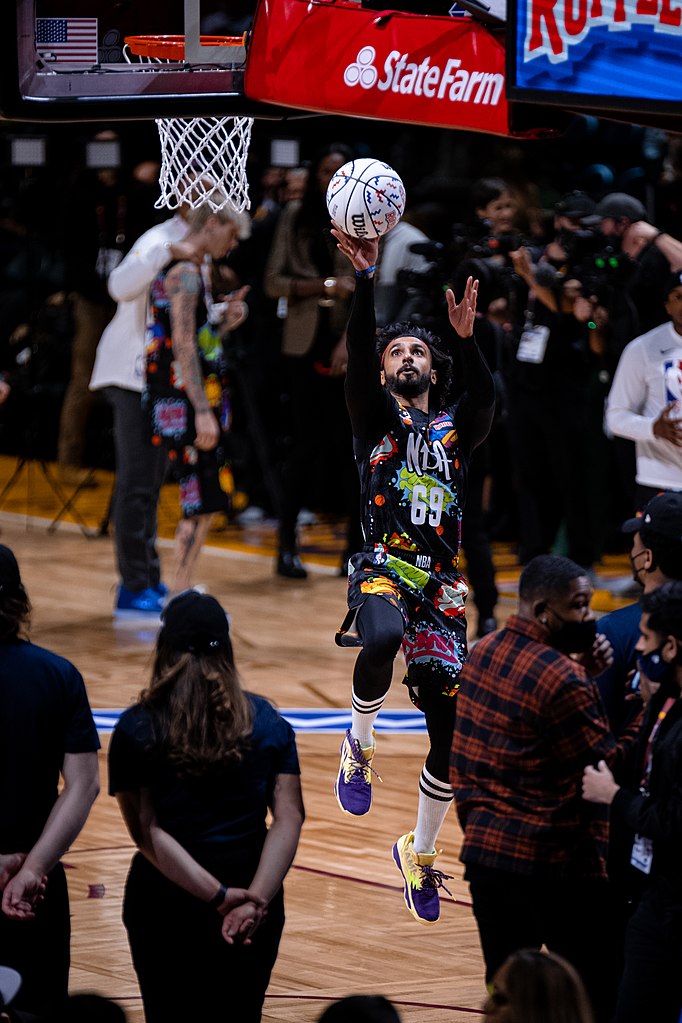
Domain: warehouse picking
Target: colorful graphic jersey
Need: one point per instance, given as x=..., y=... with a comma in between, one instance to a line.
x=413, y=484
x=205, y=477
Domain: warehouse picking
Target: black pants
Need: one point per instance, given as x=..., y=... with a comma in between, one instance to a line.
x=651, y=988
x=569, y=917
x=318, y=468
x=186, y=970
x=381, y=628
x=476, y=542
x=549, y=443
x=39, y=949
x=140, y=472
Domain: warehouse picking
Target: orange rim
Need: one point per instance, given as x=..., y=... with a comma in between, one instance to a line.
x=173, y=47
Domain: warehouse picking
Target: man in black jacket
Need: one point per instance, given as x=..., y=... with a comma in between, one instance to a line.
x=652, y=809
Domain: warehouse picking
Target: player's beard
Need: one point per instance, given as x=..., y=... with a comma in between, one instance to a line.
x=408, y=385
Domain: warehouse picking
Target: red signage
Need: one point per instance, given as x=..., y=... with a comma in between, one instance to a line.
x=333, y=56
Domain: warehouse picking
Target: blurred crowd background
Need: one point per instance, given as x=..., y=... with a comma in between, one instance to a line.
x=74, y=198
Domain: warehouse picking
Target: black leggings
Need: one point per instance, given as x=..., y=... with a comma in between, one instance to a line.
x=186, y=970
x=381, y=628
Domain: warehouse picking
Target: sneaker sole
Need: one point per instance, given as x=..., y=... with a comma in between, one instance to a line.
x=349, y=813
x=137, y=613
x=406, y=894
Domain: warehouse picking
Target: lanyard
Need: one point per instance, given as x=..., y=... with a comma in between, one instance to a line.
x=662, y=715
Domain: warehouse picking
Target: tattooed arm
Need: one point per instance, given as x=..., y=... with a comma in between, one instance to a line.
x=183, y=284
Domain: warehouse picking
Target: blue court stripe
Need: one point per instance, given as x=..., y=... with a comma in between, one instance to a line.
x=305, y=721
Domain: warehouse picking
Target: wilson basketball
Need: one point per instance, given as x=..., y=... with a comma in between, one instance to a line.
x=366, y=198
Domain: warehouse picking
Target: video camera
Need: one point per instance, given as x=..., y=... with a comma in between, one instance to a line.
x=601, y=272
x=496, y=245
x=427, y=287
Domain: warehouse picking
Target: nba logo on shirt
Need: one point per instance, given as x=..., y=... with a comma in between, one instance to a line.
x=672, y=376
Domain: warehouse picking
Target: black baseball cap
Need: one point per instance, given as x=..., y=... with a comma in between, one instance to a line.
x=620, y=204
x=578, y=206
x=662, y=514
x=10, y=576
x=195, y=622
x=672, y=281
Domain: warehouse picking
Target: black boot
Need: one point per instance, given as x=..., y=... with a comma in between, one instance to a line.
x=289, y=565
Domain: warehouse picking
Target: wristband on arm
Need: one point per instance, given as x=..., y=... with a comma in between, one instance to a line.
x=219, y=897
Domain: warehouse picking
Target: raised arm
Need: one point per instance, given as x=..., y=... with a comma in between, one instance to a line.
x=136, y=271
x=366, y=398
x=475, y=411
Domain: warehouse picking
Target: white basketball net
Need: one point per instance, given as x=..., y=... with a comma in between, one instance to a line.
x=203, y=160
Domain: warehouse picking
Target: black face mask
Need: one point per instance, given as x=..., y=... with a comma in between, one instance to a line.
x=636, y=571
x=653, y=666
x=574, y=637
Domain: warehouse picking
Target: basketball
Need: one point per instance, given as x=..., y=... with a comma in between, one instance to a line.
x=366, y=198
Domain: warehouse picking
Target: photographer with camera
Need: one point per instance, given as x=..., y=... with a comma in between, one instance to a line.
x=556, y=384
x=405, y=271
x=649, y=254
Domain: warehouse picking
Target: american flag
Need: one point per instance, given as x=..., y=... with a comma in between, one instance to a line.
x=72, y=40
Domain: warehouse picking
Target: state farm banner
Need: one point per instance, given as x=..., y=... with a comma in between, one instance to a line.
x=606, y=53
x=332, y=56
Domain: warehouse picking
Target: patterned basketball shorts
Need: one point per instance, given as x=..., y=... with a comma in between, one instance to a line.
x=432, y=607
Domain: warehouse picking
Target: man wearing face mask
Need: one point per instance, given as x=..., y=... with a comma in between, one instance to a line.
x=528, y=721
x=651, y=807
x=656, y=558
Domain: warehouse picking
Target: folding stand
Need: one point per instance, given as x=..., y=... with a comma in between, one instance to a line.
x=23, y=462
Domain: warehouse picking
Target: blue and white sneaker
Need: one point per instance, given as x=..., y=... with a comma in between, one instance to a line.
x=145, y=604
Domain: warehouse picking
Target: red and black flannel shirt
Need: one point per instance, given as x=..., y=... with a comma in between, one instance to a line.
x=528, y=721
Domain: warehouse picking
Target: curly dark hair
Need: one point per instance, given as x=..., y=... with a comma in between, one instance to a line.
x=664, y=607
x=441, y=360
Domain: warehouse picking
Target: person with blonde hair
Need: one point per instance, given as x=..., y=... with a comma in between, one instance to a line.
x=195, y=765
x=186, y=393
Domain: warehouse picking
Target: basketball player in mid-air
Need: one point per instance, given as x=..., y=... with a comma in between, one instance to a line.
x=412, y=446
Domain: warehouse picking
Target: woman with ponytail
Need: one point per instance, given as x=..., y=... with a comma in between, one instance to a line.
x=195, y=766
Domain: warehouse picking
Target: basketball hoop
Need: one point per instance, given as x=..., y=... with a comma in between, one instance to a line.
x=203, y=160
x=173, y=47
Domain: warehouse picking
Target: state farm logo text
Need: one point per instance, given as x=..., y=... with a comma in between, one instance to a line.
x=453, y=82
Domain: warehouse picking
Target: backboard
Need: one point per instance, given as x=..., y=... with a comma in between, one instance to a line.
x=67, y=60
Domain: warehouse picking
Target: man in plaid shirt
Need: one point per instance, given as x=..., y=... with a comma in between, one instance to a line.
x=529, y=719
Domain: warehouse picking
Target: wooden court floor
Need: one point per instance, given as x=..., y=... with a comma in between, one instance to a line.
x=347, y=927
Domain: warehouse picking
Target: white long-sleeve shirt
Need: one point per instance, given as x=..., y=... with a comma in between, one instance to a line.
x=119, y=361
x=649, y=377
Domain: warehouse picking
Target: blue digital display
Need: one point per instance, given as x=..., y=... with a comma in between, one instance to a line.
x=625, y=49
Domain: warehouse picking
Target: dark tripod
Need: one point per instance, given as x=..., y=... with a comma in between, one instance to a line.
x=36, y=387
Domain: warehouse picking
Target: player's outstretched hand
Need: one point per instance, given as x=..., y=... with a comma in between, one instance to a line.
x=463, y=316
x=362, y=252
